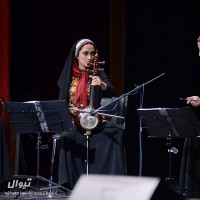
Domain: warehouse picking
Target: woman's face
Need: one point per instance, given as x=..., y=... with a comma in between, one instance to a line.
x=86, y=56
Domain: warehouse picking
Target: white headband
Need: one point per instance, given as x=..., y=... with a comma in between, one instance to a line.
x=80, y=44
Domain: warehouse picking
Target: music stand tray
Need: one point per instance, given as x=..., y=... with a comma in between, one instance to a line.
x=170, y=122
x=39, y=117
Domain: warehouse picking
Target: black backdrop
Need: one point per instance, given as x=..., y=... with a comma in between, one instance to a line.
x=159, y=38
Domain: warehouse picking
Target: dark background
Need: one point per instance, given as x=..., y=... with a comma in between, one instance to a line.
x=159, y=38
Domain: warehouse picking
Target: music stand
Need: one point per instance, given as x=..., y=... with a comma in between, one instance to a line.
x=170, y=123
x=41, y=117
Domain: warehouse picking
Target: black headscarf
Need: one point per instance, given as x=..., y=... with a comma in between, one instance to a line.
x=65, y=76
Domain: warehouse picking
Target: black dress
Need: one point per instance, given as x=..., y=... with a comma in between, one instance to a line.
x=106, y=153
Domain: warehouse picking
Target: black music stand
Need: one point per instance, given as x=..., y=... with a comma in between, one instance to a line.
x=41, y=117
x=170, y=123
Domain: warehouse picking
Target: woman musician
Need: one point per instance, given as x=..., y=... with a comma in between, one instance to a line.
x=106, y=149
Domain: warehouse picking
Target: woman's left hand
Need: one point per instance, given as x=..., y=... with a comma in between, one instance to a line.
x=96, y=81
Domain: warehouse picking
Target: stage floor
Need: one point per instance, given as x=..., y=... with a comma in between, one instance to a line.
x=61, y=196
x=33, y=197
x=53, y=197
x=35, y=190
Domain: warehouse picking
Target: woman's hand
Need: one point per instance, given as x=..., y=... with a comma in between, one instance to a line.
x=97, y=81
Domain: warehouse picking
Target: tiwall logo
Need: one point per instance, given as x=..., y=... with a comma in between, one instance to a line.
x=19, y=184
x=23, y=188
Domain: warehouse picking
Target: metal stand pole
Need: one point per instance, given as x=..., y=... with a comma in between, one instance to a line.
x=51, y=183
x=55, y=137
x=171, y=150
x=169, y=145
x=87, y=134
x=38, y=159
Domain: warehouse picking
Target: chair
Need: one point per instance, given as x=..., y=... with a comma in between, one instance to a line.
x=118, y=108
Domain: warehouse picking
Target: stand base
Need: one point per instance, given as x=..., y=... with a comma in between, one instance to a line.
x=173, y=184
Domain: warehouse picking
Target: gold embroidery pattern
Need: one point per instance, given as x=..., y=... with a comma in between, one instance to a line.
x=72, y=97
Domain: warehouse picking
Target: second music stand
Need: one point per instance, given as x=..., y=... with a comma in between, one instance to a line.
x=170, y=123
x=41, y=117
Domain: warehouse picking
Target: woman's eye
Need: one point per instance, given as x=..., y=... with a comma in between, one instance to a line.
x=92, y=54
x=87, y=53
